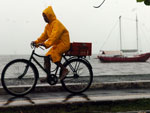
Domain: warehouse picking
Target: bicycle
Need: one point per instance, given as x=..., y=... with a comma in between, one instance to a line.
x=25, y=75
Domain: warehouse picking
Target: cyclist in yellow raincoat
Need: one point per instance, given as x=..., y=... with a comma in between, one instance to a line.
x=55, y=36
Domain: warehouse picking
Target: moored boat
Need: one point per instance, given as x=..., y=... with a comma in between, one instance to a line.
x=124, y=55
x=120, y=58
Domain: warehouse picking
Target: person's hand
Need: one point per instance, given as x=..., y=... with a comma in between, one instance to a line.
x=33, y=44
x=42, y=44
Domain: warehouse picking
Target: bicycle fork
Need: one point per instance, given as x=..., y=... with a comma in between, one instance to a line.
x=24, y=73
x=26, y=67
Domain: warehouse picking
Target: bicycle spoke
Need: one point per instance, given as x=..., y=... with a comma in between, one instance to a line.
x=77, y=66
x=17, y=79
x=79, y=80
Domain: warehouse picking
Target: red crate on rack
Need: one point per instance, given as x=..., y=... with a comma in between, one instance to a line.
x=80, y=49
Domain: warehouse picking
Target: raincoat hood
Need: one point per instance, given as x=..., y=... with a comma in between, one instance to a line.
x=49, y=13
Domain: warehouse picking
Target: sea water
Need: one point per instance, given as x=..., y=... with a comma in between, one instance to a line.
x=99, y=68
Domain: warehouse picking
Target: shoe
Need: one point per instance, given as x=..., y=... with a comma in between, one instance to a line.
x=43, y=80
x=63, y=75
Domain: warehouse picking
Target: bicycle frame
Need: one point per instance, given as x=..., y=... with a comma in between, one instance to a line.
x=57, y=67
x=34, y=59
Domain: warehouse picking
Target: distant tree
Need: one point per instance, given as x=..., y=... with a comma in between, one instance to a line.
x=146, y=2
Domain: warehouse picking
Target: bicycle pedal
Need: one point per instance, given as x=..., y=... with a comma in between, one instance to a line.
x=52, y=79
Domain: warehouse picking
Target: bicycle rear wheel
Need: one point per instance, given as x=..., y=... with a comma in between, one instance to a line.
x=19, y=77
x=79, y=78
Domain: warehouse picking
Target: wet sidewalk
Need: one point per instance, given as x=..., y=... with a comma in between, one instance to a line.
x=64, y=99
x=110, y=88
x=104, y=89
x=111, y=83
x=136, y=81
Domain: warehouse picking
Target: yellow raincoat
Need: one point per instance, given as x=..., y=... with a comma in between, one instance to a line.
x=55, y=35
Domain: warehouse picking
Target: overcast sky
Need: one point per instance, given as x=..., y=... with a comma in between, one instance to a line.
x=21, y=22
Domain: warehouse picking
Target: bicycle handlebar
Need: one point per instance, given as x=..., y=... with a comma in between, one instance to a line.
x=41, y=48
x=34, y=46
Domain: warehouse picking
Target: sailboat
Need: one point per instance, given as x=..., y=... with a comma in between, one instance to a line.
x=104, y=57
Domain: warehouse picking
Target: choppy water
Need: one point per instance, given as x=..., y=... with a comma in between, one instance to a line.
x=98, y=67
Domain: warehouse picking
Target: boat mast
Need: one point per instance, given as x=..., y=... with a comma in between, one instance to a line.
x=120, y=33
x=137, y=33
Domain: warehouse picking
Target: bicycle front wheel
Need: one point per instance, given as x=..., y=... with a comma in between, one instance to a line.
x=79, y=78
x=19, y=77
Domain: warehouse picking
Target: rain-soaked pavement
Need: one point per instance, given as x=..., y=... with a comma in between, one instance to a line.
x=117, y=78
x=54, y=98
x=102, y=90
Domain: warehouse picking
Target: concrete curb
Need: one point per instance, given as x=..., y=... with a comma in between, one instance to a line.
x=121, y=85
x=95, y=86
x=66, y=105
